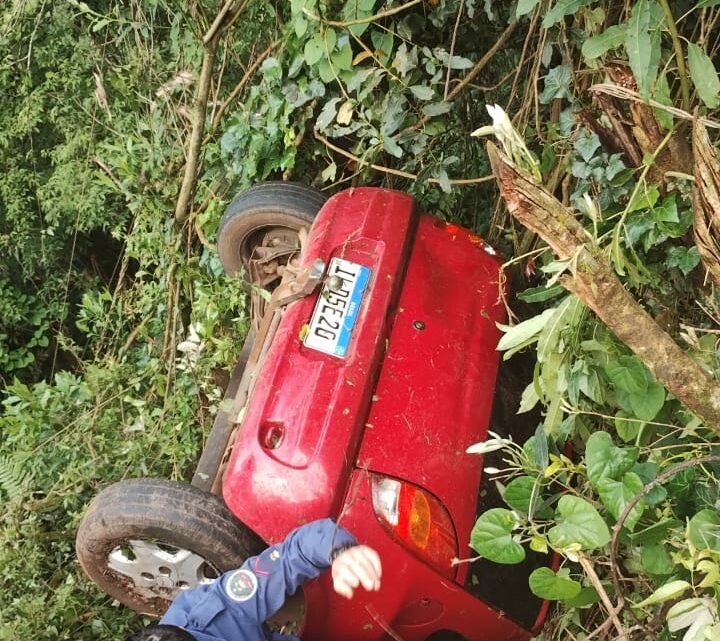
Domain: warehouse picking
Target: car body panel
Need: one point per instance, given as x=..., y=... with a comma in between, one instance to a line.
x=434, y=395
x=318, y=402
x=414, y=391
x=413, y=601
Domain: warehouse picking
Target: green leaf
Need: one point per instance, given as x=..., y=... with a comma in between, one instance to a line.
x=586, y=144
x=383, y=44
x=541, y=293
x=392, y=147
x=554, y=419
x=704, y=75
x=300, y=24
x=558, y=83
x=684, y=258
x=342, y=59
x=643, y=47
x=524, y=7
x=422, y=92
x=665, y=593
x=615, y=496
x=587, y=596
x=656, y=560
x=628, y=374
x=646, y=405
x=704, y=530
x=327, y=114
x=695, y=612
x=314, y=49
x=326, y=71
x=604, y=460
x=529, y=398
x=525, y=333
x=330, y=39
x=443, y=179
x=436, y=108
x=656, y=532
x=491, y=537
x=545, y=584
x=647, y=472
x=578, y=523
x=561, y=9
x=611, y=38
x=567, y=314
x=518, y=493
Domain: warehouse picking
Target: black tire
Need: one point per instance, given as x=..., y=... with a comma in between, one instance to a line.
x=252, y=213
x=176, y=519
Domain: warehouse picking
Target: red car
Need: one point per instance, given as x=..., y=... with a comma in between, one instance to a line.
x=369, y=372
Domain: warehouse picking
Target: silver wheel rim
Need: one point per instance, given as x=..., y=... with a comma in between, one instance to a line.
x=156, y=569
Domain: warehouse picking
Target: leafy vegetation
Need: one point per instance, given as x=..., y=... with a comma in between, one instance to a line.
x=117, y=325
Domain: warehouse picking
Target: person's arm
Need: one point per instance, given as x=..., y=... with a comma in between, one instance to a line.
x=259, y=588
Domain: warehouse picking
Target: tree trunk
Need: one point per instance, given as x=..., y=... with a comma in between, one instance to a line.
x=593, y=280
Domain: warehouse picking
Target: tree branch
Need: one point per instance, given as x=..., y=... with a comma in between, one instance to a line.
x=226, y=16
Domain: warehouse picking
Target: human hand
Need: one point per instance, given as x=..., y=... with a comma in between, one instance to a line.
x=356, y=566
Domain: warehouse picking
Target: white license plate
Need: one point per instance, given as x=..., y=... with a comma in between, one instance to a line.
x=337, y=308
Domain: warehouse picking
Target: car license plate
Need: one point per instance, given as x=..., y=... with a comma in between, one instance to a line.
x=337, y=308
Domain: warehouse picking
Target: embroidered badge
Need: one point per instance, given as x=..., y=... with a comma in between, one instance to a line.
x=241, y=586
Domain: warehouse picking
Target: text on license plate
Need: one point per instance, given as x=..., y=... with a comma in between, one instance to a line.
x=337, y=308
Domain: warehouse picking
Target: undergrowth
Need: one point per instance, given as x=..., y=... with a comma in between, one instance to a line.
x=99, y=286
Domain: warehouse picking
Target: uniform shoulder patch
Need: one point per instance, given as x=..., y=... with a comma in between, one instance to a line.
x=241, y=585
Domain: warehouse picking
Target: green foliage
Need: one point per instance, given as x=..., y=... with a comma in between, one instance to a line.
x=546, y=584
x=624, y=428
x=115, y=324
x=492, y=537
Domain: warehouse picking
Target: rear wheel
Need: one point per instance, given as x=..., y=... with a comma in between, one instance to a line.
x=261, y=227
x=262, y=232
x=143, y=541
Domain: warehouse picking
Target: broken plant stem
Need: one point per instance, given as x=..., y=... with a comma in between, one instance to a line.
x=612, y=611
x=461, y=7
x=373, y=18
x=472, y=559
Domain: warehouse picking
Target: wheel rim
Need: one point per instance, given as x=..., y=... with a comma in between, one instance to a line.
x=156, y=569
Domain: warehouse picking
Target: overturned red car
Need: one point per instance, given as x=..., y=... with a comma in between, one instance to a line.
x=368, y=372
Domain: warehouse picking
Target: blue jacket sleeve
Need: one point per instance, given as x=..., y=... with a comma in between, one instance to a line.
x=258, y=589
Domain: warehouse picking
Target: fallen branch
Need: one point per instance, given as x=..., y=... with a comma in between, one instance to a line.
x=395, y=172
x=593, y=281
x=629, y=94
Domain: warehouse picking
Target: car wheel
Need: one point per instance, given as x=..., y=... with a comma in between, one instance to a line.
x=143, y=541
x=260, y=229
